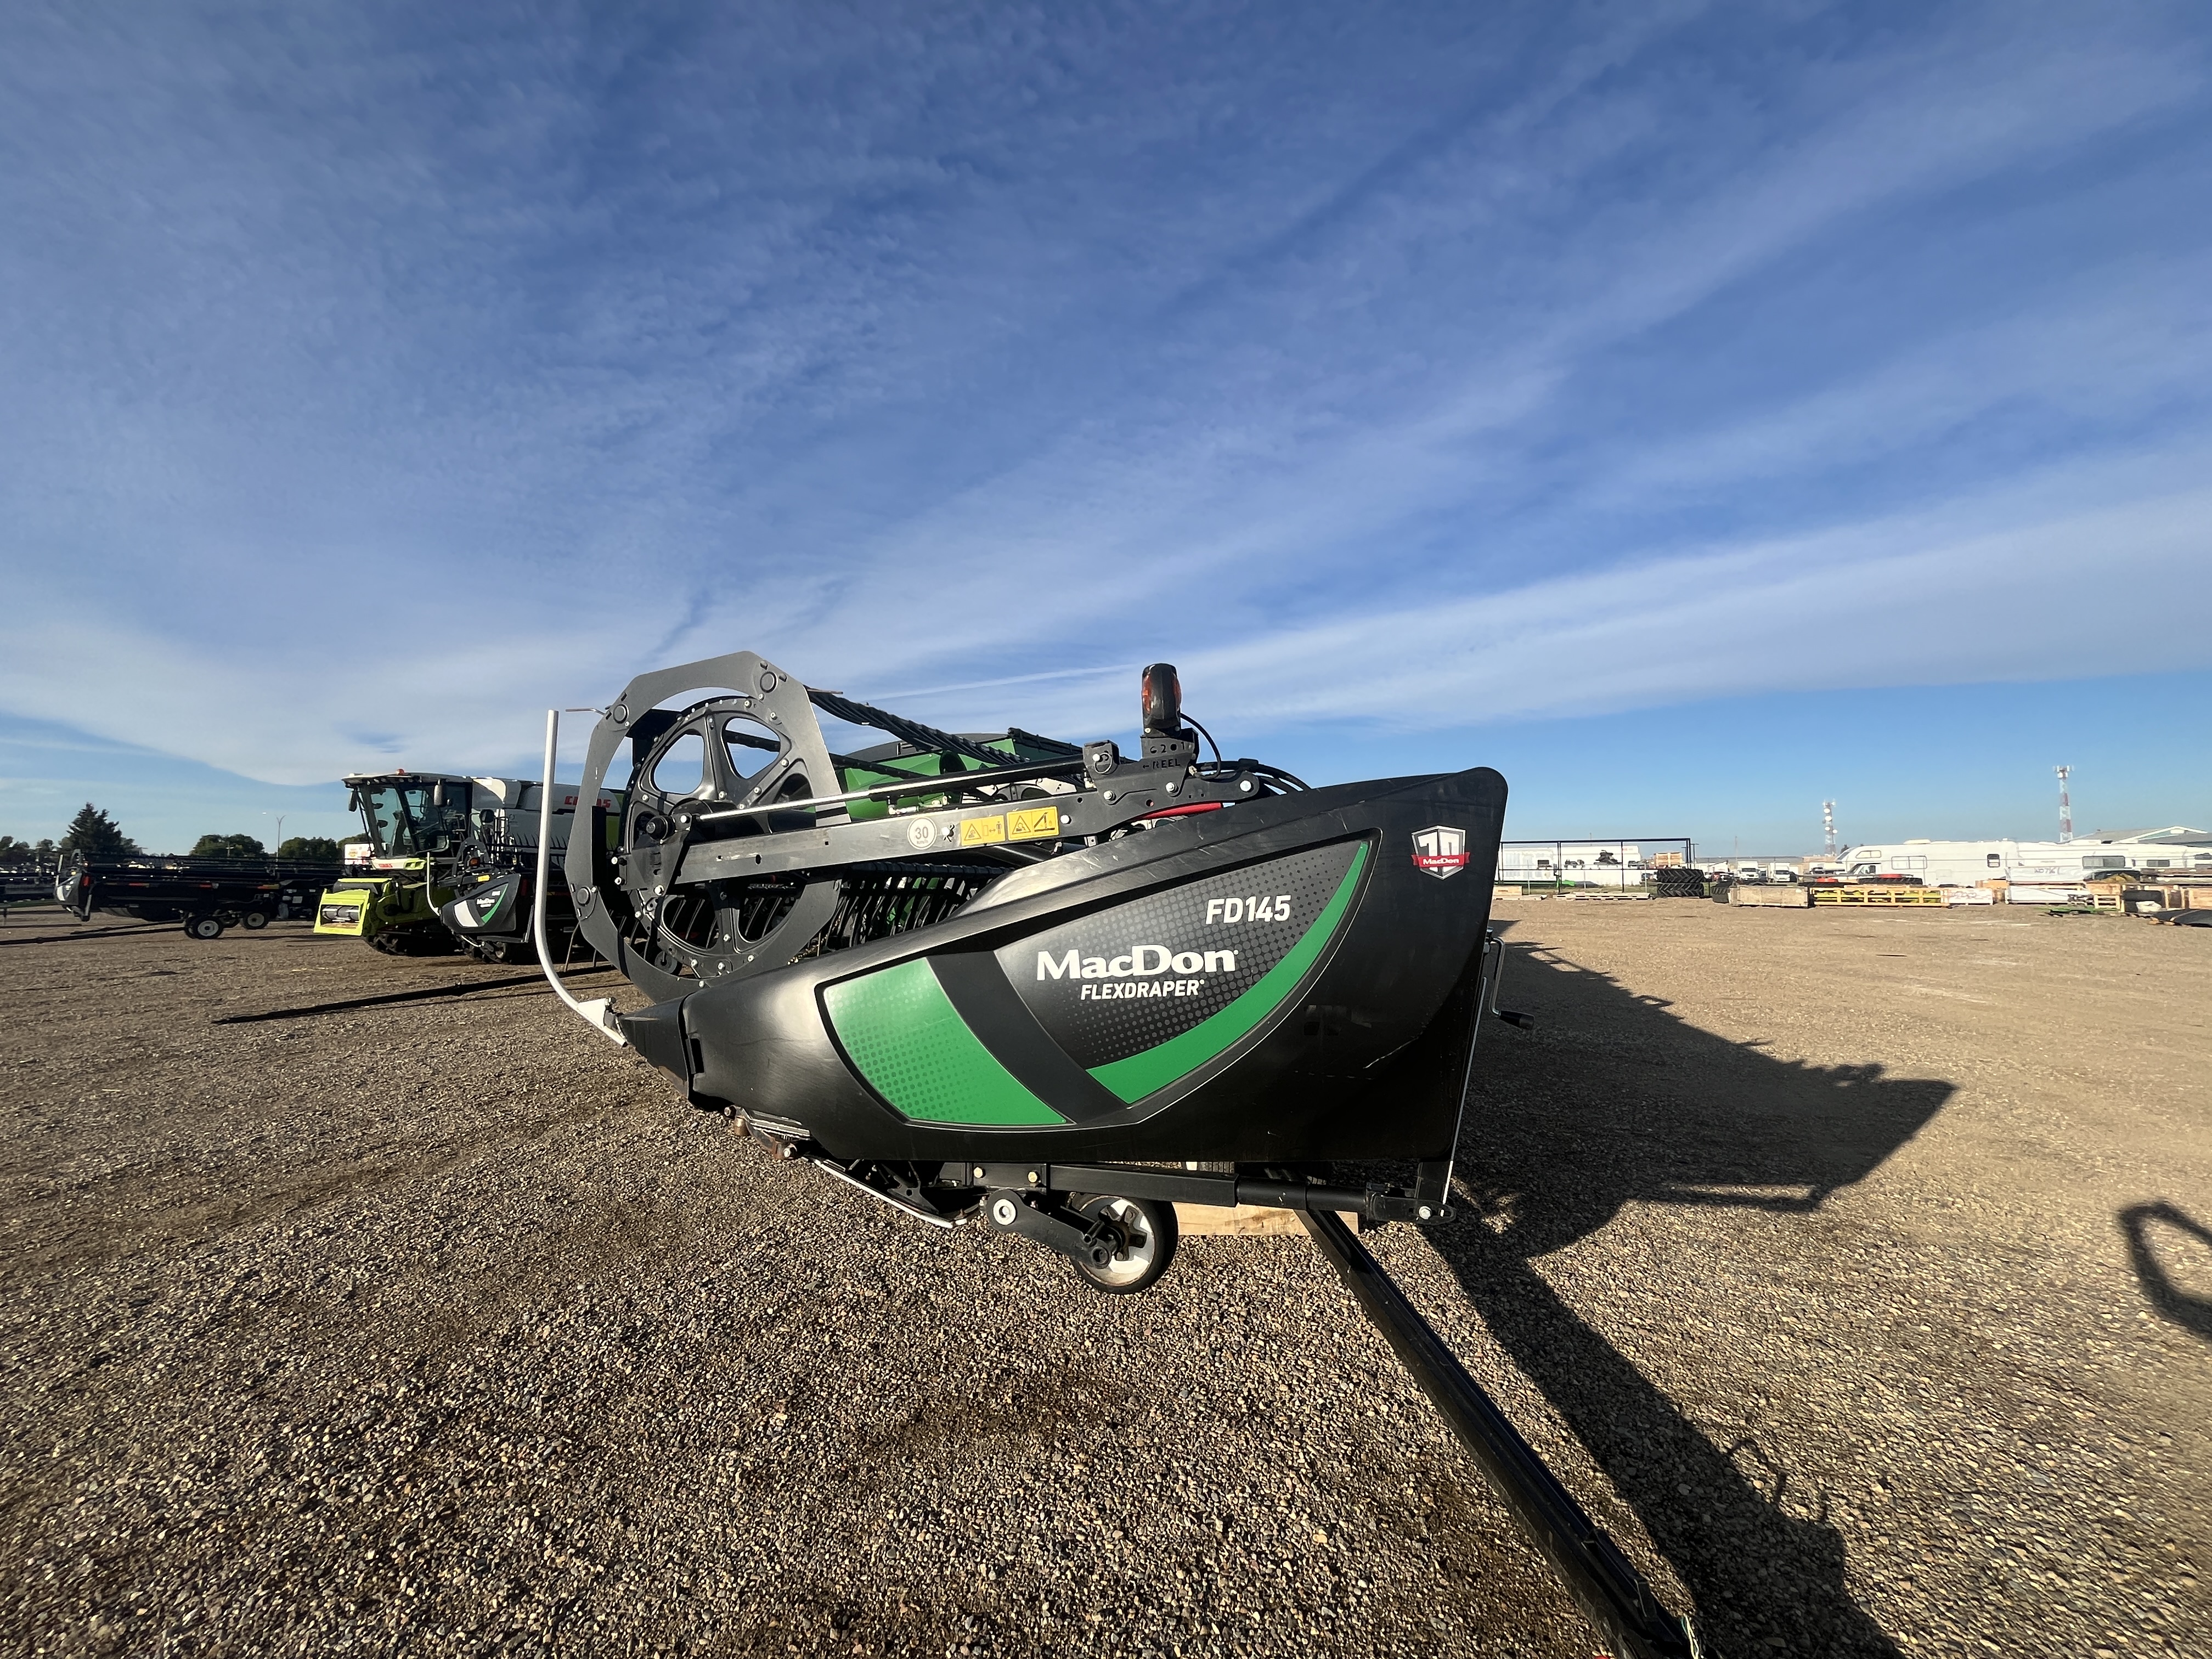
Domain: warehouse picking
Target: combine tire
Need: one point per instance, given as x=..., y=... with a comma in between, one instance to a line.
x=204, y=926
x=415, y=940
x=1147, y=1233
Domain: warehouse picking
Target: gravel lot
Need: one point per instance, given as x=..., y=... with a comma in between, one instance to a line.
x=1855, y=1268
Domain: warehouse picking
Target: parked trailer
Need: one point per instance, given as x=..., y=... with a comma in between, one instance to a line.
x=26, y=882
x=206, y=895
x=1054, y=990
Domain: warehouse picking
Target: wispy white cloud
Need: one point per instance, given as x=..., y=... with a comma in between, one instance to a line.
x=1979, y=590
x=1911, y=602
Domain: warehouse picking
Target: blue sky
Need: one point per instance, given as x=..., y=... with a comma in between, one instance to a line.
x=1695, y=411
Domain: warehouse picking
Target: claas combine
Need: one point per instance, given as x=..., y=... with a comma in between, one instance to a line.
x=446, y=862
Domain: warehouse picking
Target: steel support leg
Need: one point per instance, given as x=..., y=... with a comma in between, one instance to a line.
x=1611, y=1592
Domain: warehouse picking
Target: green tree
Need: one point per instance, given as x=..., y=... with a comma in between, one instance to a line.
x=228, y=847
x=13, y=851
x=92, y=831
x=310, y=846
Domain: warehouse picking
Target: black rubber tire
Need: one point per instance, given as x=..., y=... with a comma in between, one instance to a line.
x=203, y=928
x=415, y=940
x=1137, y=1268
x=255, y=921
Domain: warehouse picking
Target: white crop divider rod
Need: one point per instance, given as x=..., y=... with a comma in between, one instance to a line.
x=599, y=1010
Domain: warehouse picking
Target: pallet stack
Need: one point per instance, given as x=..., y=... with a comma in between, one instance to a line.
x=1882, y=893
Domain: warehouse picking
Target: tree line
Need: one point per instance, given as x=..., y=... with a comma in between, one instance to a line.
x=97, y=835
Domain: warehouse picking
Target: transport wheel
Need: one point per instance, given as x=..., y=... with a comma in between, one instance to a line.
x=1147, y=1243
x=255, y=921
x=204, y=927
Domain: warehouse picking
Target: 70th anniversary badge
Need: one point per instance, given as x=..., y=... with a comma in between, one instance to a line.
x=1440, y=850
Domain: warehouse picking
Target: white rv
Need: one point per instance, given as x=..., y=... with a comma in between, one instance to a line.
x=2178, y=849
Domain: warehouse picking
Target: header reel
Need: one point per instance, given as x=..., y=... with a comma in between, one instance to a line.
x=747, y=844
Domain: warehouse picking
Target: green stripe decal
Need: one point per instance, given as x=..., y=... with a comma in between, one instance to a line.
x=906, y=1037
x=1141, y=1073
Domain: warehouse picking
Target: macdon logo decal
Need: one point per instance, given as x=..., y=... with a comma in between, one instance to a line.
x=1137, y=973
x=1440, y=850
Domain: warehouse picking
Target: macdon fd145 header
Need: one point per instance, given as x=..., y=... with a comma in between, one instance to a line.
x=1055, y=990
x=1051, y=988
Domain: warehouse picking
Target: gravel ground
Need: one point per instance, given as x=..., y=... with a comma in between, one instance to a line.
x=1855, y=1269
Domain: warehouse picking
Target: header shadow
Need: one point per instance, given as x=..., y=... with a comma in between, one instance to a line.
x=1616, y=1100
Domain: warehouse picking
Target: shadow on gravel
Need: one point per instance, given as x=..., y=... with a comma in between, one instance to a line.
x=2191, y=1313
x=92, y=933
x=1616, y=1100
x=458, y=989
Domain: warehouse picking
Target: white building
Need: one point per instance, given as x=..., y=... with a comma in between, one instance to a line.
x=2177, y=849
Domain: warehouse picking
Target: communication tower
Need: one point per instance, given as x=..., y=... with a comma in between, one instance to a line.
x=2065, y=806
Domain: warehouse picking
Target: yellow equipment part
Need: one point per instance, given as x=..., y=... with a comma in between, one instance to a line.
x=390, y=894
x=349, y=909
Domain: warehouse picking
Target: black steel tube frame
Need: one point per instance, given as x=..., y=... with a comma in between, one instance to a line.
x=1223, y=1191
x=1612, y=1595
x=950, y=783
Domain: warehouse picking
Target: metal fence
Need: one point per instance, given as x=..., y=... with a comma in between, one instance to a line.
x=1617, y=861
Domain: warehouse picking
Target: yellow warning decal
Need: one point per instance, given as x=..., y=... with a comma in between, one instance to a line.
x=983, y=832
x=1034, y=824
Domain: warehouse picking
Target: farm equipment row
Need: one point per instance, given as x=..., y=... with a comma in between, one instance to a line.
x=445, y=862
x=996, y=979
